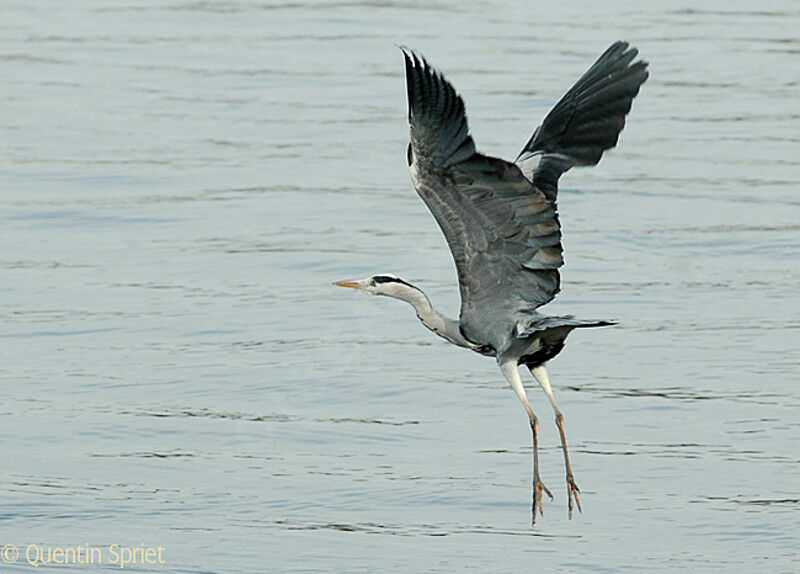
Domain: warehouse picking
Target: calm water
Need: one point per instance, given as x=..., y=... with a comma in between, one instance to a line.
x=182, y=181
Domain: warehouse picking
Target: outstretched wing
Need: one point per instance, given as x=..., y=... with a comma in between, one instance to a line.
x=503, y=232
x=586, y=121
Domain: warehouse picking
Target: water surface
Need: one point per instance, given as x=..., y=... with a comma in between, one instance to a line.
x=182, y=181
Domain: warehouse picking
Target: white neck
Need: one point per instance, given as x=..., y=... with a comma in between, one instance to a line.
x=443, y=326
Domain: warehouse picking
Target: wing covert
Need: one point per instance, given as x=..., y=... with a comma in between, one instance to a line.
x=503, y=232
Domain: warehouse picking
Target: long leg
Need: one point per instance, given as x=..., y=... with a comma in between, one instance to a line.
x=540, y=374
x=511, y=373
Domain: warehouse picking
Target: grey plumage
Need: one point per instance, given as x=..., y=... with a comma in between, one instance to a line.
x=586, y=121
x=502, y=226
x=500, y=220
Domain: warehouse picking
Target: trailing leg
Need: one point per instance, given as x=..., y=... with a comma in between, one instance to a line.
x=540, y=374
x=511, y=372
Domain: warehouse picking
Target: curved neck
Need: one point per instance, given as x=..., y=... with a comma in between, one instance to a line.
x=443, y=326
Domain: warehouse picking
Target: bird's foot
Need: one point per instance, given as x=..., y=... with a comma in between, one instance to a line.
x=572, y=494
x=538, y=489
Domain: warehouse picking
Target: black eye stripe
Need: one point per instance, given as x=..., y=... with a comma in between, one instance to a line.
x=385, y=279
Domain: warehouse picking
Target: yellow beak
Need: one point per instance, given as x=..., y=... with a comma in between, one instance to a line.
x=351, y=284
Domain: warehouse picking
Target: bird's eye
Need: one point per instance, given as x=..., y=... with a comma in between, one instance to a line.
x=372, y=283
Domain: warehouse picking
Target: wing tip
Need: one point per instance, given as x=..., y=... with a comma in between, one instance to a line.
x=413, y=59
x=411, y=62
x=609, y=86
x=435, y=107
x=408, y=54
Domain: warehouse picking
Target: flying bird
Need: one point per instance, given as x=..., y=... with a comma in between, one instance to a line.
x=501, y=223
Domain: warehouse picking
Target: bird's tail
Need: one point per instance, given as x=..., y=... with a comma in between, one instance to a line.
x=552, y=333
x=561, y=324
x=586, y=323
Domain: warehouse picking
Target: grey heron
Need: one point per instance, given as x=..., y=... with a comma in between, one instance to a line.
x=501, y=222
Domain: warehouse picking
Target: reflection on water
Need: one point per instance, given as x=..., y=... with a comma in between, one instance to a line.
x=183, y=180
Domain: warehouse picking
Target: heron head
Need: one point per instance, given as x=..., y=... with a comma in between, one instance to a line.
x=387, y=284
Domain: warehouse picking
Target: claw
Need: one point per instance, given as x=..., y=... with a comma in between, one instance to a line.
x=545, y=489
x=538, y=488
x=572, y=494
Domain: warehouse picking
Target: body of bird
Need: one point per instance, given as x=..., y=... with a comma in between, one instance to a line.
x=500, y=220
